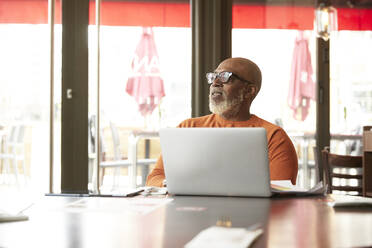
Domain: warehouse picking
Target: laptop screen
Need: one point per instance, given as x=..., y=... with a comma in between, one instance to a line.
x=216, y=161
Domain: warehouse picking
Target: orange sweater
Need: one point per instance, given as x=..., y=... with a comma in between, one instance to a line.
x=282, y=154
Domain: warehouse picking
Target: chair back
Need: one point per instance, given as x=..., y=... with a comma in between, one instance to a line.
x=92, y=138
x=21, y=134
x=116, y=141
x=317, y=165
x=13, y=134
x=340, y=168
x=15, y=139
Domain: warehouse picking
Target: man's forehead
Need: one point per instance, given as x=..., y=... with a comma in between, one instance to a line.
x=231, y=65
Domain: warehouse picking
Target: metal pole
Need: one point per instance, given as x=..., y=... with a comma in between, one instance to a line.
x=51, y=14
x=98, y=129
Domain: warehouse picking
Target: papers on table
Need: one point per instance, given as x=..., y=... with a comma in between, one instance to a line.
x=284, y=187
x=134, y=205
x=9, y=217
x=217, y=236
x=343, y=201
x=13, y=210
x=151, y=190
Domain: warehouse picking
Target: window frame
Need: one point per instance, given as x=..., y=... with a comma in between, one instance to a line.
x=211, y=22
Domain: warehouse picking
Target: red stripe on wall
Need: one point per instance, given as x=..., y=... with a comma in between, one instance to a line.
x=302, y=18
x=112, y=13
x=24, y=11
x=178, y=15
x=145, y=14
x=273, y=17
x=354, y=19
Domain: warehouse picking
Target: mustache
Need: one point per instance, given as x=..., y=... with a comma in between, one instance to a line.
x=215, y=90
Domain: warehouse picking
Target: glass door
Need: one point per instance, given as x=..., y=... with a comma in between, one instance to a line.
x=143, y=72
x=25, y=96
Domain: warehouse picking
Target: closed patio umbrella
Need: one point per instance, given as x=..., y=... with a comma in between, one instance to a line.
x=301, y=85
x=145, y=83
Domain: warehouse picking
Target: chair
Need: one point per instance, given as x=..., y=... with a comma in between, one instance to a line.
x=13, y=151
x=92, y=151
x=342, y=168
x=117, y=161
x=117, y=153
x=131, y=163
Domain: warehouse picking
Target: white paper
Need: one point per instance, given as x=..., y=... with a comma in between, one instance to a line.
x=8, y=217
x=151, y=190
x=350, y=201
x=221, y=237
x=135, y=205
x=318, y=189
x=12, y=209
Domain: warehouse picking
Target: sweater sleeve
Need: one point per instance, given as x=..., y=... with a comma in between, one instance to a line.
x=156, y=176
x=283, y=157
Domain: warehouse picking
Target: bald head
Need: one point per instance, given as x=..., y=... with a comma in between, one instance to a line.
x=244, y=68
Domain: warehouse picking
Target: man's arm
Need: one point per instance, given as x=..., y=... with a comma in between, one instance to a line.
x=283, y=157
x=156, y=176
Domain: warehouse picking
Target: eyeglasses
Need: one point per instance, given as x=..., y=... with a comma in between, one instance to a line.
x=223, y=77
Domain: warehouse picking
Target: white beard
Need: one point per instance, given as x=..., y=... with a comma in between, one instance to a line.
x=231, y=105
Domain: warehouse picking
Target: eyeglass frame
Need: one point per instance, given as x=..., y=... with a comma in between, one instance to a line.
x=217, y=75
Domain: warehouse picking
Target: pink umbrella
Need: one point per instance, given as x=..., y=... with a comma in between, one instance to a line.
x=145, y=83
x=301, y=85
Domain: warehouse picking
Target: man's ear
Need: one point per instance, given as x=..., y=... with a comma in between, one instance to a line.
x=251, y=90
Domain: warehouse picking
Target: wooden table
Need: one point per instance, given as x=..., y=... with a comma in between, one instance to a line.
x=125, y=222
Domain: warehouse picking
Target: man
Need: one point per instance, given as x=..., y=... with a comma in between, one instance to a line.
x=234, y=85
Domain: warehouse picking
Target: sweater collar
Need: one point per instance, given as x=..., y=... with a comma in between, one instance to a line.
x=221, y=120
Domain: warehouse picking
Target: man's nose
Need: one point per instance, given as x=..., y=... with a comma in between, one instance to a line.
x=216, y=82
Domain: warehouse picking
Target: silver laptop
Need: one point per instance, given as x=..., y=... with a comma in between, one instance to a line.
x=216, y=161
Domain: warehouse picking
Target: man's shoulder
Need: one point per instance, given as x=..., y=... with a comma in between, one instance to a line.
x=266, y=124
x=271, y=129
x=197, y=121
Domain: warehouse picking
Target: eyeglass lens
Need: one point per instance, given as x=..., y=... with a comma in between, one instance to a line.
x=223, y=77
